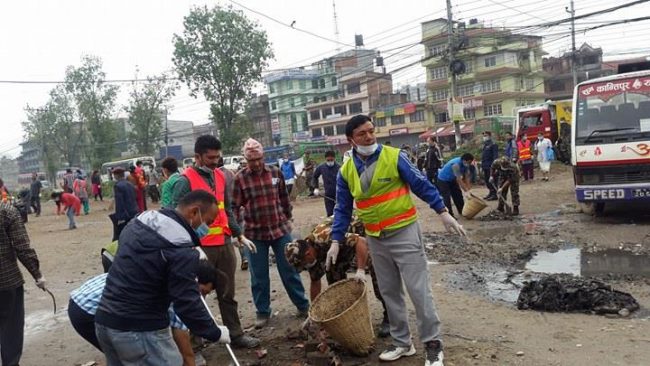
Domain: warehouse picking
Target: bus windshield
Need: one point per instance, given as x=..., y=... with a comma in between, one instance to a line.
x=617, y=109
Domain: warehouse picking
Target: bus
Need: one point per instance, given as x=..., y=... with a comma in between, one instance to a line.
x=611, y=140
x=148, y=164
x=317, y=150
x=273, y=154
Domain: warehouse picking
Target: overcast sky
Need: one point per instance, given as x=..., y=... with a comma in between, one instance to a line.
x=38, y=39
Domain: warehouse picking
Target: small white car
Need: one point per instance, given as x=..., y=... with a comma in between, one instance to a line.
x=232, y=163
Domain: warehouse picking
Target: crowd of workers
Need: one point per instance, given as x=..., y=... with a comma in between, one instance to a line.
x=186, y=249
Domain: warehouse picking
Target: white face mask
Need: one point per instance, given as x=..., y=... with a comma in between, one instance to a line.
x=485, y=138
x=367, y=150
x=329, y=163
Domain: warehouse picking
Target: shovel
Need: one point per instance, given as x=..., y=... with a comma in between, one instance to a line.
x=230, y=352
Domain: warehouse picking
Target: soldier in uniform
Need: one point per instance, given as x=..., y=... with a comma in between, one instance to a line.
x=310, y=254
x=507, y=174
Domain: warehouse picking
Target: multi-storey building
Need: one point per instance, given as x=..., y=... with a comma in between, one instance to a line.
x=503, y=70
x=260, y=116
x=9, y=173
x=589, y=65
x=31, y=158
x=290, y=91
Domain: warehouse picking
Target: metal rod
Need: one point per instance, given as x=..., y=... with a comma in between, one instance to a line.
x=230, y=352
x=53, y=299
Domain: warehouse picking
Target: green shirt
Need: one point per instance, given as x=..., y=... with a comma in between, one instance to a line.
x=167, y=189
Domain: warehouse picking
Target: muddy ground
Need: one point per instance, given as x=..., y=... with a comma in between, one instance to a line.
x=481, y=323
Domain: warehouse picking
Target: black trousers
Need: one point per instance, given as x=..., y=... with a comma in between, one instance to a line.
x=451, y=190
x=329, y=205
x=486, y=178
x=432, y=175
x=83, y=323
x=12, y=325
x=36, y=204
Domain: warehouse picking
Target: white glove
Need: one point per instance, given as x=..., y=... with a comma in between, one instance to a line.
x=360, y=275
x=247, y=243
x=202, y=254
x=332, y=254
x=499, y=191
x=225, y=334
x=491, y=180
x=451, y=224
x=40, y=283
x=316, y=192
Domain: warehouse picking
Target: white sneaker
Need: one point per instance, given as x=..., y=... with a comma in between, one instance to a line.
x=434, y=355
x=395, y=353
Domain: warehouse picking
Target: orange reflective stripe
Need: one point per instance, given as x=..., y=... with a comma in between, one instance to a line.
x=383, y=198
x=393, y=220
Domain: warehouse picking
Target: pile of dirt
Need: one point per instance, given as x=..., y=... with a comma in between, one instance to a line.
x=495, y=215
x=561, y=293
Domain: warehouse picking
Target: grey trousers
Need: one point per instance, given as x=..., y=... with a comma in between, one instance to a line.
x=399, y=256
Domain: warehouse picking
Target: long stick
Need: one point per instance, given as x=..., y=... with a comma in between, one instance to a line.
x=230, y=352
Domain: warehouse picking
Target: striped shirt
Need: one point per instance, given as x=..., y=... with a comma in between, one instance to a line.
x=87, y=297
x=14, y=247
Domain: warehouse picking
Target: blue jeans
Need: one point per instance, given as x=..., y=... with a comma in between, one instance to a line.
x=258, y=265
x=126, y=348
x=70, y=213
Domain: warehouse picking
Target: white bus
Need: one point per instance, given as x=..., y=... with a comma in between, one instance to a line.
x=611, y=140
x=148, y=164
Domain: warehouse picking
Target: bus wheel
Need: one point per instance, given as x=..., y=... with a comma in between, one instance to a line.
x=587, y=208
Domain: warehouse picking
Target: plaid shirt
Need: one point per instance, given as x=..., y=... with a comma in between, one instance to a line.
x=87, y=297
x=14, y=245
x=265, y=198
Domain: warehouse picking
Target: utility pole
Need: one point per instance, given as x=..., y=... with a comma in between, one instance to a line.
x=574, y=68
x=452, y=84
x=166, y=135
x=336, y=26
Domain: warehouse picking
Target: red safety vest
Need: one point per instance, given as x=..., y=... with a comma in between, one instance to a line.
x=219, y=228
x=524, y=150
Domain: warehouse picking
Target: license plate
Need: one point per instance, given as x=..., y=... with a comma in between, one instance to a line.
x=641, y=193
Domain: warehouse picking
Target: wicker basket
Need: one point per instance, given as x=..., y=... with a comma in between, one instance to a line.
x=473, y=206
x=342, y=310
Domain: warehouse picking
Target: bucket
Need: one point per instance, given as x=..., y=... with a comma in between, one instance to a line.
x=342, y=310
x=473, y=206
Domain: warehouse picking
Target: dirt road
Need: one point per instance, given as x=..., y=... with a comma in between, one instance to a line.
x=481, y=323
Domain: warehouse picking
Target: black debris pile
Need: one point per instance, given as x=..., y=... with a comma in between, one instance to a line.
x=495, y=215
x=570, y=294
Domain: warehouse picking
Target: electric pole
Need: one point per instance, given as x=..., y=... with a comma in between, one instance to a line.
x=452, y=84
x=166, y=135
x=574, y=68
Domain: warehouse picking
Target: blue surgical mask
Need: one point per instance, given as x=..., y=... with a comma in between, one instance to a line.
x=203, y=229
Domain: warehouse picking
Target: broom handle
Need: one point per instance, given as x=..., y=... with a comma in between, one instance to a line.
x=230, y=352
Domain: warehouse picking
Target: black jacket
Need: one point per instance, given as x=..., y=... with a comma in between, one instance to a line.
x=490, y=154
x=156, y=264
x=126, y=206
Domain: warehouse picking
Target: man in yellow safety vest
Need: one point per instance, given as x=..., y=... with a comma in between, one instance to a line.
x=379, y=180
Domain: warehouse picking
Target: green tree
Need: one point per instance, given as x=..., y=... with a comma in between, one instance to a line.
x=67, y=131
x=95, y=101
x=39, y=130
x=146, y=109
x=221, y=54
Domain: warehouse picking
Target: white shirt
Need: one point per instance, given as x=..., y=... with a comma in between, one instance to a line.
x=541, y=147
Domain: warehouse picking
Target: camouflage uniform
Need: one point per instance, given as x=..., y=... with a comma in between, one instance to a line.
x=320, y=239
x=503, y=170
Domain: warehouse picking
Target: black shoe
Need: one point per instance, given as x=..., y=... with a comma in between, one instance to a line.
x=434, y=355
x=491, y=198
x=515, y=211
x=384, y=330
x=245, y=341
x=500, y=208
x=244, y=265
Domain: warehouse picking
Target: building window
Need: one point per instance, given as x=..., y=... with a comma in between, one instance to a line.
x=316, y=132
x=490, y=61
x=289, y=84
x=340, y=109
x=590, y=60
x=316, y=100
x=465, y=90
x=492, y=110
x=340, y=129
x=292, y=103
x=469, y=66
x=469, y=113
x=440, y=94
x=530, y=84
x=334, y=81
x=397, y=120
x=303, y=101
x=328, y=130
x=303, y=85
x=441, y=117
x=525, y=102
x=271, y=89
x=354, y=88
x=305, y=122
x=416, y=116
x=489, y=86
x=355, y=108
x=314, y=84
x=323, y=99
x=556, y=85
x=439, y=73
x=274, y=106
x=437, y=50
x=314, y=115
x=294, y=123
x=322, y=83
x=326, y=112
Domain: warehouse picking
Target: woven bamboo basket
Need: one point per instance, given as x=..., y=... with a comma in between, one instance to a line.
x=342, y=310
x=473, y=206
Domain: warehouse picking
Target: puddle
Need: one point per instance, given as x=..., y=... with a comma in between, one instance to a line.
x=579, y=262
